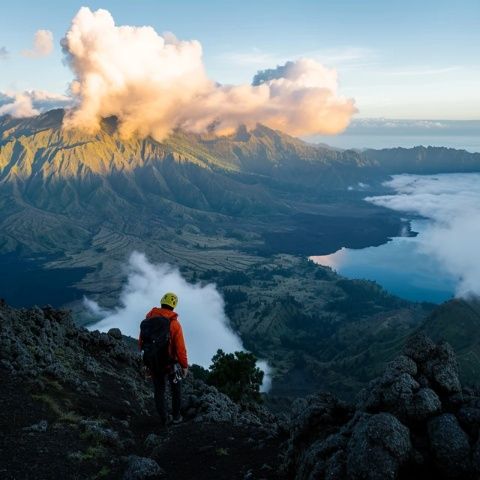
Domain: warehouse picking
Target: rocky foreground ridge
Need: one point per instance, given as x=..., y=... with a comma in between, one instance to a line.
x=74, y=404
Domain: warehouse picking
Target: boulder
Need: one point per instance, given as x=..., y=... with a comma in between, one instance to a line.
x=402, y=364
x=318, y=457
x=423, y=404
x=419, y=348
x=450, y=446
x=443, y=369
x=379, y=446
x=115, y=333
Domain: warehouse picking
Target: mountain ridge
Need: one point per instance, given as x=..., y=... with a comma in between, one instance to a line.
x=41, y=145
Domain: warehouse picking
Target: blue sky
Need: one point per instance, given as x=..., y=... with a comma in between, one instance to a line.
x=409, y=59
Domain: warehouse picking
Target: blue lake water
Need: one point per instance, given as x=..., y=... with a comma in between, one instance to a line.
x=398, y=266
x=443, y=260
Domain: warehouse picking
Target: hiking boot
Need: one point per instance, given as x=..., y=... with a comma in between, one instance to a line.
x=177, y=420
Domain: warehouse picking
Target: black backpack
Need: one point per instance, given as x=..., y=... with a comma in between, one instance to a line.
x=155, y=335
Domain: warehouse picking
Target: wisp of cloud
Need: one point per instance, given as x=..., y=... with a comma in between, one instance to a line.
x=42, y=44
x=452, y=203
x=154, y=84
x=200, y=308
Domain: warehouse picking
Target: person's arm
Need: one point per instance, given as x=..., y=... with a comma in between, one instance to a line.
x=180, y=348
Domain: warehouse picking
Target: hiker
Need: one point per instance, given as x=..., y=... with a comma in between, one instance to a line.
x=164, y=354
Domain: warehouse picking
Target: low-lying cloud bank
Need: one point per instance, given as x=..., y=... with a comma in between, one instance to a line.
x=200, y=308
x=452, y=202
x=156, y=83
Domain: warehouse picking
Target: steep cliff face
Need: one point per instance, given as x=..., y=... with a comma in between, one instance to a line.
x=75, y=404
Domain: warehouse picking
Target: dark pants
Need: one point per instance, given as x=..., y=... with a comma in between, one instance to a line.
x=159, y=383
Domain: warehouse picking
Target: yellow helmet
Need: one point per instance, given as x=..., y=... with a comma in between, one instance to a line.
x=169, y=299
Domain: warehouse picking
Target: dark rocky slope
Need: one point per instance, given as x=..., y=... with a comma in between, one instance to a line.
x=415, y=421
x=74, y=404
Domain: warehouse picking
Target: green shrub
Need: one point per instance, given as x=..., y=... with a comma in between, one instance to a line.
x=236, y=375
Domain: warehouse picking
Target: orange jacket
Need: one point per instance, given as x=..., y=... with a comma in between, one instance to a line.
x=177, y=344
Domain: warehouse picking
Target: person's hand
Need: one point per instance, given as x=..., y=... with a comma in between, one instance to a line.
x=146, y=372
x=184, y=372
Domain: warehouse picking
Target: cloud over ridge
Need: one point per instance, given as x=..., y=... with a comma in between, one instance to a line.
x=155, y=83
x=30, y=103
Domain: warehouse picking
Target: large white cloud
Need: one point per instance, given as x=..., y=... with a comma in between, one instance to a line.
x=452, y=202
x=200, y=308
x=155, y=83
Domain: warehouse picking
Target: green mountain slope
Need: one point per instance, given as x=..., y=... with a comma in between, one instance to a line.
x=50, y=176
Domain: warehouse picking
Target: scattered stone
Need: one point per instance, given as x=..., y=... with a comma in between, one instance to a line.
x=41, y=426
x=140, y=468
x=96, y=431
x=152, y=441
